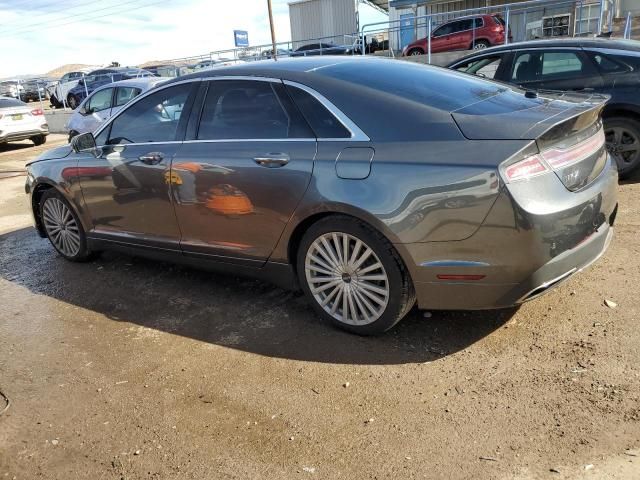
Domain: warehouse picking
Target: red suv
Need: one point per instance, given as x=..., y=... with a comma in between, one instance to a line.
x=460, y=34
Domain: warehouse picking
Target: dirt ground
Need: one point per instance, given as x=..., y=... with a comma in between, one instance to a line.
x=125, y=368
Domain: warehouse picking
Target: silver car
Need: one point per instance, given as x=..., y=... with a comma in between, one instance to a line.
x=107, y=101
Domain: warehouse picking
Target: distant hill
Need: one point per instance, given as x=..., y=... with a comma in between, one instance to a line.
x=69, y=67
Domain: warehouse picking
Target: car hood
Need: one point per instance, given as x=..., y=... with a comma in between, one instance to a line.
x=54, y=154
x=520, y=116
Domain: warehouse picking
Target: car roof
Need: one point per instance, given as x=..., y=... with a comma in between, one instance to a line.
x=588, y=42
x=141, y=82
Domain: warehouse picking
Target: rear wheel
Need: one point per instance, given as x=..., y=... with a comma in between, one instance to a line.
x=39, y=140
x=353, y=276
x=480, y=45
x=414, y=52
x=63, y=227
x=623, y=143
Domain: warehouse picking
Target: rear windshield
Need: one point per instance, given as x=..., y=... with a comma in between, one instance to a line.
x=431, y=86
x=10, y=102
x=498, y=20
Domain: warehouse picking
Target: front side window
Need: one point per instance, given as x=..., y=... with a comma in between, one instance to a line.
x=155, y=118
x=124, y=94
x=321, y=120
x=484, y=67
x=247, y=109
x=525, y=67
x=101, y=100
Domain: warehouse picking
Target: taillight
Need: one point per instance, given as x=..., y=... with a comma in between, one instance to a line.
x=560, y=158
x=37, y=111
x=524, y=169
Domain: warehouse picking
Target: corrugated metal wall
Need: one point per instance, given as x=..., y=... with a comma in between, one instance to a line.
x=313, y=19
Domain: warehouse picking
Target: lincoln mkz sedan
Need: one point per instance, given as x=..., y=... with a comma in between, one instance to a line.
x=371, y=184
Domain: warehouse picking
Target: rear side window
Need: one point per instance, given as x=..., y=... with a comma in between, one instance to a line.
x=247, y=109
x=124, y=94
x=322, y=121
x=610, y=64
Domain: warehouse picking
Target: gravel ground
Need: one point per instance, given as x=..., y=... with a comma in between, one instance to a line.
x=125, y=368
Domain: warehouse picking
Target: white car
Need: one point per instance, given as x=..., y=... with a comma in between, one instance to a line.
x=11, y=88
x=19, y=121
x=59, y=90
x=107, y=101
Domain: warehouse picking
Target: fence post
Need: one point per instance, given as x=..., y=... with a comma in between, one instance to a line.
x=579, y=18
x=524, y=25
x=506, y=26
x=429, y=25
x=84, y=82
x=600, y=16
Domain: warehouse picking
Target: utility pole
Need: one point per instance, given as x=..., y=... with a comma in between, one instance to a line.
x=273, y=32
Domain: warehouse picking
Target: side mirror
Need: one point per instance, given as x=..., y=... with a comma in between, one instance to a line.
x=84, y=141
x=84, y=111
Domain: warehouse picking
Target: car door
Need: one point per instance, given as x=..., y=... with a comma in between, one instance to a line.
x=441, y=38
x=126, y=185
x=96, y=110
x=239, y=178
x=554, y=69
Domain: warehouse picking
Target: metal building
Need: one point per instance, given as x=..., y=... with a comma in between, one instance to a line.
x=333, y=21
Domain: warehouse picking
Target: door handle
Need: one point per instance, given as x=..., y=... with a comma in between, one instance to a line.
x=272, y=160
x=152, y=158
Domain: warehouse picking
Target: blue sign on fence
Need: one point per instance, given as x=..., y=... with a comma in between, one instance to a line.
x=241, y=38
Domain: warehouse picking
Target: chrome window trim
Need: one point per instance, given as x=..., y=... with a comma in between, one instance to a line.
x=357, y=135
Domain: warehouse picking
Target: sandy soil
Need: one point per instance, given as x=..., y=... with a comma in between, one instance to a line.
x=125, y=368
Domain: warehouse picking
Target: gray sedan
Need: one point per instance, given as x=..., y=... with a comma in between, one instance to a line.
x=370, y=184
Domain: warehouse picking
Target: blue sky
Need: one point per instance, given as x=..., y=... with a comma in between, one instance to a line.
x=39, y=35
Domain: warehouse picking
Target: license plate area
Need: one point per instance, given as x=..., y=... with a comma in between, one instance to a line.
x=17, y=117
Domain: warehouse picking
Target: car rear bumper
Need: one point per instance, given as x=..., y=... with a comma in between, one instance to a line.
x=14, y=136
x=516, y=255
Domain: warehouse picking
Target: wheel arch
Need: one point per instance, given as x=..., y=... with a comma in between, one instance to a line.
x=298, y=228
x=37, y=191
x=621, y=110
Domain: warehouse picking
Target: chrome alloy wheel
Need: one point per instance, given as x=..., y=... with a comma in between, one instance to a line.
x=61, y=227
x=347, y=278
x=623, y=145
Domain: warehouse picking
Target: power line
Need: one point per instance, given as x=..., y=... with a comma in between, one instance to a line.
x=91, y=16
x=80, y=17
x=37, y=8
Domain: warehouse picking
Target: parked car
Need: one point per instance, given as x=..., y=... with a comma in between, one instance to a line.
x=597, y=65
x=168, y=70
x=97, y=78
x=217, y=63
x=272, y=173
x=59, y=90
x=477, y=32
x=35, y=90
x=106, y=101
x=282, y=52
x=321, y=49
x=19, y=121
x=11, y=88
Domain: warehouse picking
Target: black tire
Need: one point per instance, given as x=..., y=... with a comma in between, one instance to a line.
x=72, y=101
x=401, y=295
x=83, y=253
x=414, y=52
x=480, y=45
x=39, y=140
x=621, y=133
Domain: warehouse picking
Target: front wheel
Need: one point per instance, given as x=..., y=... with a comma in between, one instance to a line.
x=623, y=143
x=353, y=276
x=414, y=52
x=39, y=140
x=63, y=227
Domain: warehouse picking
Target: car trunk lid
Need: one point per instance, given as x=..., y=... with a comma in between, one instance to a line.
x=566, y=128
